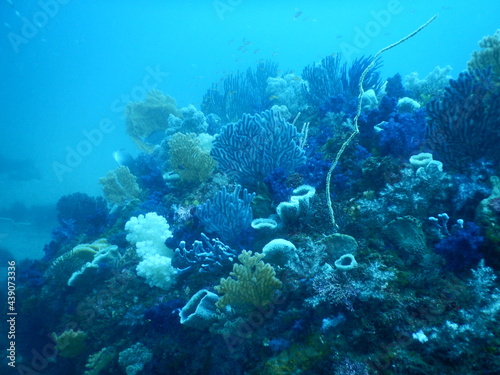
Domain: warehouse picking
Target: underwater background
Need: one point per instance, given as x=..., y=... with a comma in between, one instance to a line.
x=203, y=188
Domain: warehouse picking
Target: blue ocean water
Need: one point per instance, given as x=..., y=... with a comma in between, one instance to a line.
x=78, y=87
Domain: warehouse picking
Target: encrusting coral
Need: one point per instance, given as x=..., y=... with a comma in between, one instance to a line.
x=120, y=186
x=253, y=283
x=148, y=117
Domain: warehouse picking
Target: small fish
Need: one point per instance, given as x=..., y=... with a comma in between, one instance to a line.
x=7, y=25
x=339, y=36
x=232, y=93
x=256, y=51
x=297, y=15
x=247, y=43
x=274, y=97
x=240, y=48
x=231, y=41
x=18, y=14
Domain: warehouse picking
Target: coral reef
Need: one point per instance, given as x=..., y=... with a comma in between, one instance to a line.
x=148, y=117
x=227, y=214
x=120, y=186
x=404, y=281
x=188, y=160
x=253, y=284
x=463, y=125
x=488, y=56
x=255, y=146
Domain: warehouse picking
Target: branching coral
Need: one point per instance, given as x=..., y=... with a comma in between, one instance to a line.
x=227, y=214
x=488, y=56
x=240, y=93
x=253, y=283
x=99, y=361
x=463, y=126
x=331, y=79
x=120, y=186
x=187, y=158
x=70, y=344
x=148, y=117
x=255, y=146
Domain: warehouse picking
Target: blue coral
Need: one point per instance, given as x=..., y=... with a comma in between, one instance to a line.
x=461, y=249
x=403, y=135
x=250, y=149
x=210, y=256
x=228, y=215
x=332, y=85
x=81, y=213
x=240, y=93
x=463, y=125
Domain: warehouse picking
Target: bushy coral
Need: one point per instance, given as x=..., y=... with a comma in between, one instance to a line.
x=252, y=285
x=228, y=215
x=332, y=79
x=120, y=186
x=461, y=250
x=148, y=117
x=255, y=146
x=240, y=93
x=429, y=87
x=403, y=134
x=463, y=125
x=79, y=213
x=134, y=358
x=188, y=159
x=488, y=56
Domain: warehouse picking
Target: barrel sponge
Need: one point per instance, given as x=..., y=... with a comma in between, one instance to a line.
x=200, y=311
x=149, y=232
x=158, y=271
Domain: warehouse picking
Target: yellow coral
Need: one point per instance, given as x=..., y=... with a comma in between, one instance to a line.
x=489, y=55
x=70, y=344
x=99, y=360
x=187, y=158
x=64, y=266
x=149, y=116
x=120, y=186
x=253, y=283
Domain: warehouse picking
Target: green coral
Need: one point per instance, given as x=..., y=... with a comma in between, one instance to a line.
x=120, y=186
x=63, y=267
x=252, y=284
x=99, y=360
x=148, y=117
x=187, y=158
x=70, y=344
x=489, y=55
